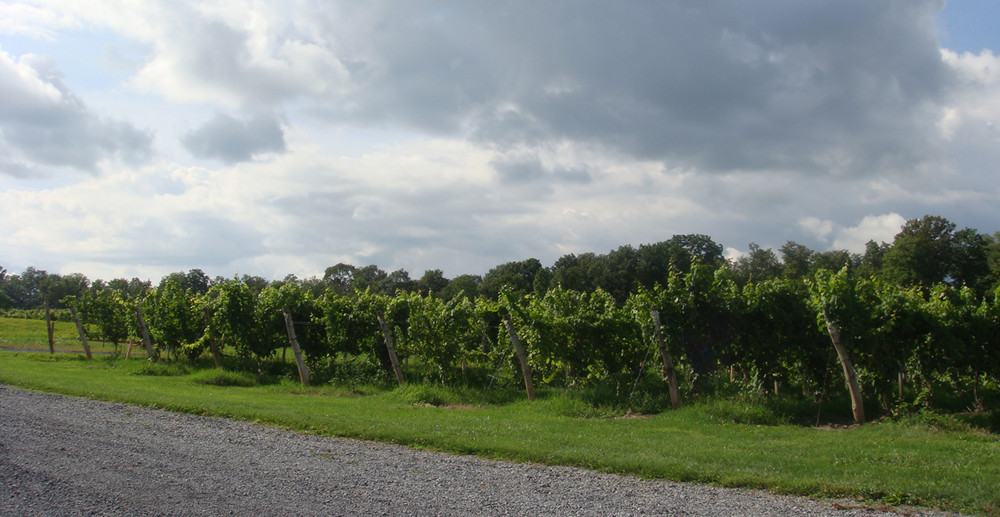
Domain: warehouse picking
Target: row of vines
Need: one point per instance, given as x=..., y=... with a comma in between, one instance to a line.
x=890, y=344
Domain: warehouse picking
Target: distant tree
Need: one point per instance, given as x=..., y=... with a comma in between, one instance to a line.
x=929, y=251
x=993, y=260
x=519, y=275
x=130, y=289
x=832, y=260
x=970, y=260
x=57, y=287
x=257, y=284
x=194, y=281
x=6, y=302
x=654, y=261
x=339, y=277
x=921, y=252
x=314, y=286
x=621, y=268
x=870, y=263
x=368, y=277
x=25, y=290
x=758, y=265
x=467, y=284
x=432, y=282
x=581, y=272
x=796, y=260
x=398, y=280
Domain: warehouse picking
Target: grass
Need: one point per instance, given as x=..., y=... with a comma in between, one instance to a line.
x=935, y=462
x=30, y=335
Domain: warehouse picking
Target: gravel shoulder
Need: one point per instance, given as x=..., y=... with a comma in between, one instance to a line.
x=71, y=456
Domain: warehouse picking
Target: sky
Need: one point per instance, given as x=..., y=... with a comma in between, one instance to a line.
x=273, y=138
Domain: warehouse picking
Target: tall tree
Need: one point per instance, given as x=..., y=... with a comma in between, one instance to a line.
x=796, y=260
x=432, y=282
x=339, y=277
x=921, y=253
x=518, y=275
x=467, y=284
x=758, y=265
x=654, y=261
x=970, y=260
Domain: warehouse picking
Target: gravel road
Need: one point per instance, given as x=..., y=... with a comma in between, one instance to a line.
x=71, y=456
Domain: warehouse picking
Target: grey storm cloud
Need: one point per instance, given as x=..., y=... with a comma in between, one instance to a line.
x=43, y=123
x=833, y=86
x=231, y=140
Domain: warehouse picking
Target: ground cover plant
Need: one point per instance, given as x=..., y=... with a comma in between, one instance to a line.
x=930, y=459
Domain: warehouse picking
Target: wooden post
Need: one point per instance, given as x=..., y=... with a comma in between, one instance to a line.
x=146, y=340
x=79, y=329
x=50, y=327
x=303, y=370
x=857, y=404
x=522, y=357
x=390, y=347
x=212, y=343
x=668, y=363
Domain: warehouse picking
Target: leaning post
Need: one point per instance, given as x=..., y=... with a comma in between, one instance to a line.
x=303, y=369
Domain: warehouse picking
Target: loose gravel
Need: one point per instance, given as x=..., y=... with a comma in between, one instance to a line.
x=71, y=456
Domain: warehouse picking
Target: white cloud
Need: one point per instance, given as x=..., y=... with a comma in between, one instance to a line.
x=43, y=123
x=820, y=229
x=976, y=99
x=33, y=20
x=878, y=228
x=294, y=135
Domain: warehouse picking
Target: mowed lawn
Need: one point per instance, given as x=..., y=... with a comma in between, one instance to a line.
x=878, y=463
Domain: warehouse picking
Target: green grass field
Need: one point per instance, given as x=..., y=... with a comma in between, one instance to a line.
x=30, y=335
x=907, y=462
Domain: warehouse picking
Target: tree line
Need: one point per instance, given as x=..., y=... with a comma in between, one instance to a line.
x=898, y=323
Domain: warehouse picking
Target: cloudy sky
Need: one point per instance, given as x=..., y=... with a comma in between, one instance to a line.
x=268, y=138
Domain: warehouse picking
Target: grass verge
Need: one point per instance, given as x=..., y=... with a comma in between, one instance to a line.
x=913, y=462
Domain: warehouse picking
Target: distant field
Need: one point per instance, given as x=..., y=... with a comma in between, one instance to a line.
x=21, y=334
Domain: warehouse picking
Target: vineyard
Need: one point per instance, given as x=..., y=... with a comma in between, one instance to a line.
x=889, y=348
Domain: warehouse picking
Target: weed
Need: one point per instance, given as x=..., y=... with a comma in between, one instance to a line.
x=224, y=378
x=160, y=369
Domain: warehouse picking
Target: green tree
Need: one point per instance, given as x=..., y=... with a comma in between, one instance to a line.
x=970, y=260
x=518, y=275
x=433, y=282
x=921, y=253
x=655, y=261
x=756, y=266
x=195, y=281
x=796, y=260
x=339, y=278
x=467, y=284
